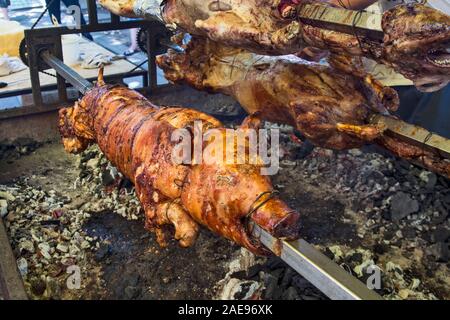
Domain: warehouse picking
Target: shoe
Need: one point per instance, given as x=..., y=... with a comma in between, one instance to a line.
x=130, y=52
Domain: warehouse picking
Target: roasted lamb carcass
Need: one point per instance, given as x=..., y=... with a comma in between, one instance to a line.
x=332, y=108
x=416, y=42
x=138, y=138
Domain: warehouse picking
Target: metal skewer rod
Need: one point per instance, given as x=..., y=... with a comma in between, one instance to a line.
x=318, y=269
x=66, y=72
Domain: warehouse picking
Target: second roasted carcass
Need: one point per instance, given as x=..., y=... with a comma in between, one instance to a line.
x=416, y=41
x=416, y=44
x=140, y=139
x=330, y=107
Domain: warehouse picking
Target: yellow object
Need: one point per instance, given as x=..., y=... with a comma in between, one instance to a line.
x=11, y=33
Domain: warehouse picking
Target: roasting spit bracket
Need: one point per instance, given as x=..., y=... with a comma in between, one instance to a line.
x=352, y=22
x=323, y=273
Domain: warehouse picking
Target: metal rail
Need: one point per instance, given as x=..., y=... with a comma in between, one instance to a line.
x=315, y=267
x=79, y=83
x=322, y=272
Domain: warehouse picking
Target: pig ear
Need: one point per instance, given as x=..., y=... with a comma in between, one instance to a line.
x=252, y=122
x=100, y=80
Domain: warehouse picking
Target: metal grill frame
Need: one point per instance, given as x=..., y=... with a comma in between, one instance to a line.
x=49, y=39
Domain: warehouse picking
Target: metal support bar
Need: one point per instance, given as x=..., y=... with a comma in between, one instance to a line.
x=315, y=267
x=11, y=285
x=66, y=72
x=151, y=53
x=115, y=19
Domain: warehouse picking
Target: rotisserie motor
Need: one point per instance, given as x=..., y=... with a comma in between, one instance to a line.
x=136, y=136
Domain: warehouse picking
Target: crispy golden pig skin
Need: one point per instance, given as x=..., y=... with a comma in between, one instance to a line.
x=136, y=136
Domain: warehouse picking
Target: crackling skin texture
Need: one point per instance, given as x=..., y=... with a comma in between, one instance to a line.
x=416, y=37
x=137, y=137
x=331, y=107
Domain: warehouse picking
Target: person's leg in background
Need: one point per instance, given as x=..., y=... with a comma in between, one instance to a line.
x=133, y=43
x=4, y=4
x=54, y=9
x=69, y=3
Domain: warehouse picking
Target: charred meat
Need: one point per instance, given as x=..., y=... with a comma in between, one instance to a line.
x=252, y=24
x=416, y=42
x=330, y=107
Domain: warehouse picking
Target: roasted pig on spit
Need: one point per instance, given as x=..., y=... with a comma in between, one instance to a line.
x=136, y=136
x=330, y=107
x=416, y=42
